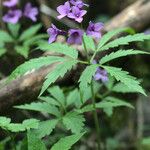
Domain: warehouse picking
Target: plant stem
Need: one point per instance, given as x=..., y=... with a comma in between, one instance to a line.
x=93, y=102
x=13, y=141
x=95, y=117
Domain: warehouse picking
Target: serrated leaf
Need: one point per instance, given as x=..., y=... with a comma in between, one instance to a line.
x=89, y=42
x=49, y=100
x=125, y=40
x=14, y=29
x=74, y=122
x=45, y=128
x=15, y=127
x=35, y=39
x=5, y=37
x=86, y=76
x=59, y=48
x=58, y=94
x=67, y=142
x=120, y=53
x=40, y=107
x=22, y=50
x=125, y=78
x=122, y=88
x=108, y=102
x=30, y=32
x=59, y=71
x=34, y=143
x=2, y=51
x=31, y=124
x=34, y=64
x=106, y=37
x=4, y=121
x=74, y=98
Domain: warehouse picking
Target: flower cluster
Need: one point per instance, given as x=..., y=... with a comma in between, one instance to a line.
x=74, y=10
x=100, y=74
x=13, y=15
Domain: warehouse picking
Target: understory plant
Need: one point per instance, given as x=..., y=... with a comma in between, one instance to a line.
x=94, y=90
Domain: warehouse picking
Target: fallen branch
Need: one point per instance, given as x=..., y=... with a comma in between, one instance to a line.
x=26, y=88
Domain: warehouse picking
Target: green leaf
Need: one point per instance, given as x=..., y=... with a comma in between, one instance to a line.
x=74, y=98
x=111, y=34
x=107, y=103
x=35, y=39
x=89, y=42
x=22, y=50
x=67, y=142
x=5, y=37
x=4, y=121
x=45, y=128
x=122, y=88
x=40, y=107
x=14, y=29
x=34, y=143
x=34, y=64
x=59, y=48
x=120, y=53
x=49, y=100
x=58, y=94
x=86, y=76
x=59, y=71
x=2, y=51
x=30, y=32
x=74, y=122
x=125, y=78
x=31, y=124
x=125, y=41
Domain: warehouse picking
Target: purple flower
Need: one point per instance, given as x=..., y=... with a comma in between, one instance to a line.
x=77, y=14
x=94, y=29
x=10, y=3
x=54, y=32
x=100, y=74
x=12, y=16
x=147, y=32
x=30, y=12
x=75, y=36
x=64, y=10
x=78, y=3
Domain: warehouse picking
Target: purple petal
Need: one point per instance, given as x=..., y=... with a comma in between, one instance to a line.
x=10, y=3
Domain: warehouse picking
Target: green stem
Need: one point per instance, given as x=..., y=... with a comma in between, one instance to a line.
x=93, y=102
x=13, y=141
x=95, y=117
x=86, y=51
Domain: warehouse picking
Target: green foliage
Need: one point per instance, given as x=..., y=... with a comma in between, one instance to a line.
x=59, y=48
x=14, y=29
x=74, y=122
x=30, y=32
x=34, y=143
x=5, y=37
x=125, y=78
x=5, y=123
x=2, y=51
x=122, y=88
x=59, y=71
x=86, y=76
x=67, y=142
x=120, y=53
x=58, y=94
x=45, y=128
x=34, y=64
x=40, y=107
x=125, y=41
x=23, y=50
x=109, y=35
x=89, y=42
x=108, y=102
